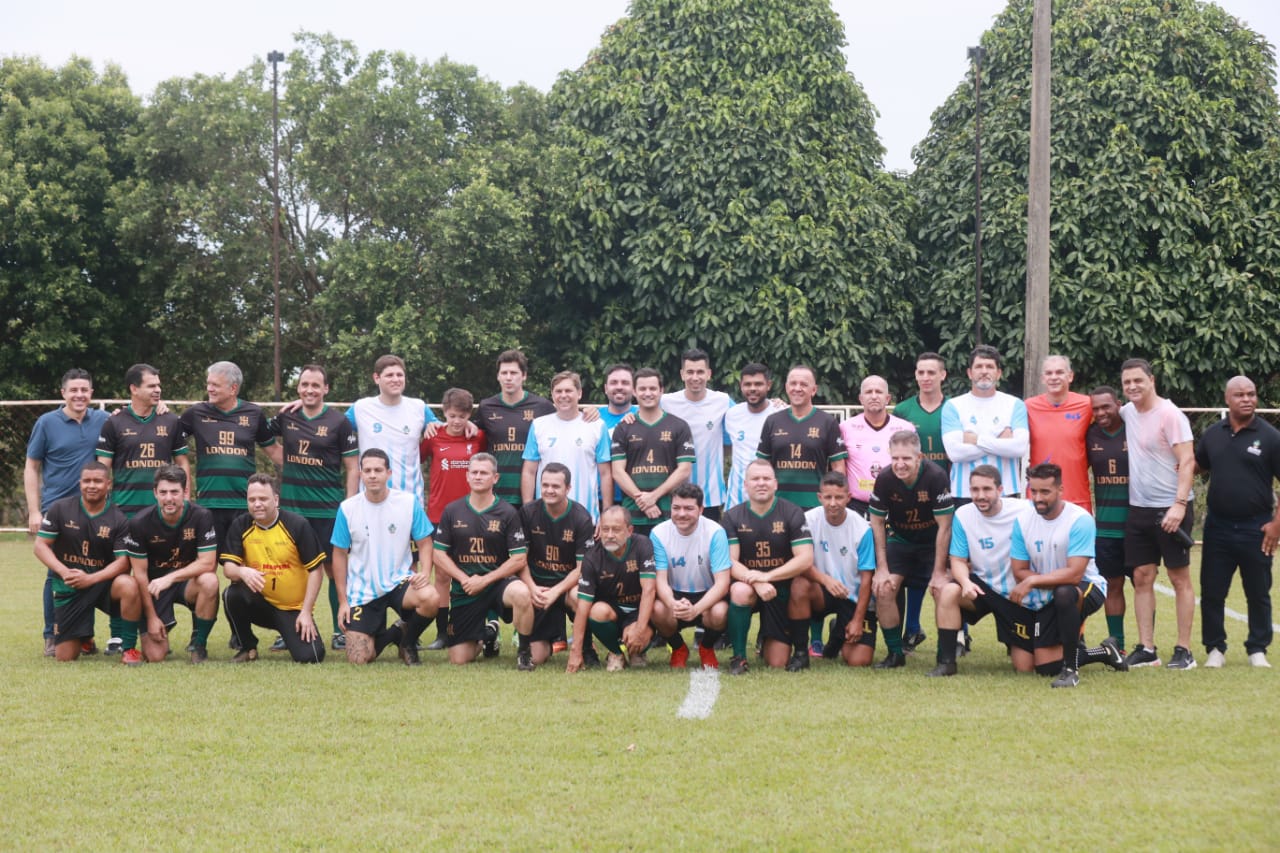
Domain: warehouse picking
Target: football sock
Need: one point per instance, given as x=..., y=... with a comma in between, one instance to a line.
x=893, y=638
x=815, y=629
x=442, y=623
x=384, y=638
x=607, y=634
x=414, y=624
x=911, y=618
x=1066, y=604
x=523, y=644
x=710, y=637
x=799, y=637
x=333, y=606
x=203, y=627
x=1085, y=656
x=947, y=639
x=128, y=635
x=675, y=641
x=739, y=625
x=1115, y=627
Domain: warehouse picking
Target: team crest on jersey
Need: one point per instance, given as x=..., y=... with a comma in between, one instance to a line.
x=391, y=528
x=844, y=550
x=813, y=432
x=633, y=566
x=322, y=431
x=188, y=533
x=665, y=435
x=922, y=496
x=528, y=414
x=244, y=420
x=711, y=425
x=578, y=442
x=779, y=527
x=104, y=532
x=162, y=431
x=568, y=536
x=405, y=429
x=495, y=526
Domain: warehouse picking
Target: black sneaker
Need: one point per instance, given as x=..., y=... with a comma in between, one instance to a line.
x=799, y=660
x=738, y=666
x=1067, y=678
x=1115, y=657
x=590, y=658
x=942, y=669
x=114, y=645
x=339, y=642
x=912, y=641
x=199, y=654
x=1181, y=659
x=524, y=661
x=1142, y=656
x=892, y=660
x=491, y=639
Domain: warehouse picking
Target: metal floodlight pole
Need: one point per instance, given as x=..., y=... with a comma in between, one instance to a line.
x=977, y=54
x=275, y=57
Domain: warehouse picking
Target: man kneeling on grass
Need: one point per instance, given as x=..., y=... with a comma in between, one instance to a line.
x=272, y=558
x=616, y=591
x=373, y=565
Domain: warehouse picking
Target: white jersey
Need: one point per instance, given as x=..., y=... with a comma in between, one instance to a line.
x=691, y=562
x=576, y=444
x=706, y=423
x=1153, y=469
x=868, y=450
x=988, y=417
x=1047, y=544
x=842, y=552
x=377, y=537
x=742, y=428
x=397, y=430
x=986, y=541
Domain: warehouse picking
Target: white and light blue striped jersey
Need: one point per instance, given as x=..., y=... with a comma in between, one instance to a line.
x=397, y=430
x=377, y=537
x=842, y=552
x=987, y=417
x=576, y=444
x=690, y=561
x=742, y=429
x=985, y=542
x=705, y=418
x=1046, y=544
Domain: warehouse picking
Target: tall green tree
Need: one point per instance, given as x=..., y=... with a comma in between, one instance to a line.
x=68, y=290
x=1165, y=198
x=726, y=192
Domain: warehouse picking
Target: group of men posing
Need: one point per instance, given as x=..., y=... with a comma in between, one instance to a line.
x=620, y=519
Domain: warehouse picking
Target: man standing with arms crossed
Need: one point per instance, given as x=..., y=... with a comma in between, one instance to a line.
x=1058, y=420
x=62, y=441
x=1108, y=455
x=703, y=409
x=650, y=456
x=1241, y=453
x=1161, y=471
x=985, y=427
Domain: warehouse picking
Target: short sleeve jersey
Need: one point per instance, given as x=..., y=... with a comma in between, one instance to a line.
x=225, y=443
x=988, y=417
x=929, y=427
x=651, y=453
x=705, y=418
x=985, y=542
x=449, y=456
x=397, y=430
x=1109, y=460
x=135, y=447
x=314, y=480
x=63, y=445
x=378, y=539
x=912, y=509
x=767, y=541
x=285, y=551
x=506, y=428
x=742, y=433
x=691, y=562
x=478, y=541
x=1058, y=436
x=169, y=547
x=801, y=451
x=868, y=449
x=81, y=540
x=556, y=544
x=1153, y=468
x=615, y=580
x=580, y=446
x=1047, y=544
x=845, y=551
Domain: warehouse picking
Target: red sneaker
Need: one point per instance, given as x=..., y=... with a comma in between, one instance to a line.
x=131, y=657
x=680, y=657
x=708, y=657
x=559, y=646
x=88, y=646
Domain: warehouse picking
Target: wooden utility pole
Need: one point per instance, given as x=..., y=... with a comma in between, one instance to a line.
x=1037, y=331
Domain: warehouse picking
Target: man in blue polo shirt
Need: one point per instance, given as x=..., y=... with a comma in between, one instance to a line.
x=62, y=442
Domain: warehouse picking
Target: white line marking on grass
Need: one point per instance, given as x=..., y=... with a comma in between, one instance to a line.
x=1231, y=614
x=704, y=689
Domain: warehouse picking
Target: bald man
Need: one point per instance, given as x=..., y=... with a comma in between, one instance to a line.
x=866, y=440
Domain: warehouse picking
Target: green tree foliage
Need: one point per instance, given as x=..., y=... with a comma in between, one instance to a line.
x=726, y=191
x=1166, y=195
x=67, y=290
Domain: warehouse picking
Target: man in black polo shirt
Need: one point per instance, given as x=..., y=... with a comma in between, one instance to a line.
x=1242, y=452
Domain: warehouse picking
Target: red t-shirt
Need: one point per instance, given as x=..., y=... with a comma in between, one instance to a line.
x=447, y=473
x=1057, y=436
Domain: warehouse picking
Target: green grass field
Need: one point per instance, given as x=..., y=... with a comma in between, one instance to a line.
x=278, y=756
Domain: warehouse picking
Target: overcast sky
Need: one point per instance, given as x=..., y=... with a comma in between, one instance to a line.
x=909, y=55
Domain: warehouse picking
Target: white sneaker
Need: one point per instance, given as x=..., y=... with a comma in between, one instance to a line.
x=613, y=663
x=1259, y=659
x=1215, y=660
x=637, y=661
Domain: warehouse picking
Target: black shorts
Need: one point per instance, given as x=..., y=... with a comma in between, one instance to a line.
x=844, y=609
x=1045, y=633
x=371, y=617
x=626, y=616
x=466, y=621
x=692, y=598
x=73, y=617
x=324, y=533
x=913, y=563
x=176, y=594
x=222, y=519
x=1109, y=553
x=1146, y=543
x=774, y=622
x=1014, y=623
x=548, y=625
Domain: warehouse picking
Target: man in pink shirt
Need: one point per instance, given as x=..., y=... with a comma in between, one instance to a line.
x=866, y=438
